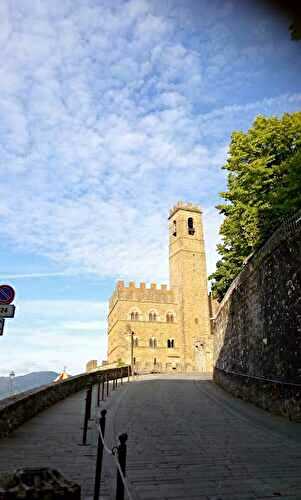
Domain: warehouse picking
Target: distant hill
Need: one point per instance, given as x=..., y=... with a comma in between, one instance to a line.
x=26, y=382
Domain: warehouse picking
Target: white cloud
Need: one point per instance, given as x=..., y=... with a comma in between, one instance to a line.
x=103, y=129
x=48, y=334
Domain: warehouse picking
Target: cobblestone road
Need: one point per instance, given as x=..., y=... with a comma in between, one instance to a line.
x=188, y=439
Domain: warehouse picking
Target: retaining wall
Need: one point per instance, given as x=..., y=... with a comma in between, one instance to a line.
x=15, y=410
x=257, y=328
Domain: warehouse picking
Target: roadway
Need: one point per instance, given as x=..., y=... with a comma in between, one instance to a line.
x=188, y=440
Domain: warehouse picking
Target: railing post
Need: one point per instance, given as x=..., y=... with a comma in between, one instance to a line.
x=121, y=457
x=107, y=384
x=128, y=373
x=98, y=392
x=102, y=424
x=116, y=383
x=89, y=400
x=103, y=388
x=87, y=415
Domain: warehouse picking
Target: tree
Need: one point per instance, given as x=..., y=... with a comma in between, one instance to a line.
x=264, y=185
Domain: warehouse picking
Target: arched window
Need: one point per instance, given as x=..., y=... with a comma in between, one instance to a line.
x=170, y=343
x=169, y=318
x=151, y=342
x=191, y=229
x=174, y=228
x=154, y=343
x=152, y=316
x=134, y=316
x=136, y=342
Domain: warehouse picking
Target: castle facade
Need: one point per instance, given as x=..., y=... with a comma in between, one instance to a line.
x=166, y=328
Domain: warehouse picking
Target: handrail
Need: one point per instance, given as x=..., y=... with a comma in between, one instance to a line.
x=258, y=378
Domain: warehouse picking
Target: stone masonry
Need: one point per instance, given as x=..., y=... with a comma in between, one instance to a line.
x=170, y=325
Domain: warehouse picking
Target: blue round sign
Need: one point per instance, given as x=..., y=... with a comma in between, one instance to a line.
x=7, y=294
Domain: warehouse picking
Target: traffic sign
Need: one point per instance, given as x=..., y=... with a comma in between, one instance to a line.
x=7, y=311
x=7, y=294
x=1, y=326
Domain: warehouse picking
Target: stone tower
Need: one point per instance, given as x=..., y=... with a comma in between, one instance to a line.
x=188, y=278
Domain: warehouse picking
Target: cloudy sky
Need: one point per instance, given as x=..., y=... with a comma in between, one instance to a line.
x=110, y=112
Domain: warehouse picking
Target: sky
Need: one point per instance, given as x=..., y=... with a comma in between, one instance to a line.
x=110, y=112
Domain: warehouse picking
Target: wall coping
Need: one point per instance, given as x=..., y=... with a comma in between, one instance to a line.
x=15, y=410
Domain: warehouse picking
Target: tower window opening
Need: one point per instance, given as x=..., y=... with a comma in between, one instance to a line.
x=174, y=228
x=170, y=343
x=132, y=315
x=151, y=342
x=155, y=361
x=136, y=316
x=136, y=342
x=169, y=318
x=191, y=229
x=152, y=316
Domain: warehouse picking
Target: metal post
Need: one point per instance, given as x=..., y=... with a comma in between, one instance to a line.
x=128, y=373
x=102, y=423
x=108, y=384
x=89, y=400
x=103, y=388
x=132, y=354
x=116, y=383
x=98, y=393
x=121, y=455
x=86, y=419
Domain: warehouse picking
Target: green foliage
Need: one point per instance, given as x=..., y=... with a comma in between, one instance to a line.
x=264, y=185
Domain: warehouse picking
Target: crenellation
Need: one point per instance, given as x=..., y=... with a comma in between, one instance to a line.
x=189, y=207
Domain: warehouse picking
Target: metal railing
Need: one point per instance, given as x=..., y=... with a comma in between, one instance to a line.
x=119, y=451
x=262, y=379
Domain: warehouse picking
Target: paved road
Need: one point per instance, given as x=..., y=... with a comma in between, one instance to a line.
x=188, y=439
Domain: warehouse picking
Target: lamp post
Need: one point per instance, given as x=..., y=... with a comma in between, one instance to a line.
x=132, y=352
x=11, y=382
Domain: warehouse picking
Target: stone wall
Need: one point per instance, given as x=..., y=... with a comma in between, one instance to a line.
x=15, y=410
x=257, y=328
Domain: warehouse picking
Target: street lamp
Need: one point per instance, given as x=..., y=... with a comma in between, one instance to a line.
x=11, y=382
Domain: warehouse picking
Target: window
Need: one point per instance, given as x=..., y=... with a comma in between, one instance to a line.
x=191, y=229
x=174, y=228
x=153, y=343
x=136, y=342
x=155, y=361
x=169, y=318
x=170, y=343
x=134, y=316
x=152, y=316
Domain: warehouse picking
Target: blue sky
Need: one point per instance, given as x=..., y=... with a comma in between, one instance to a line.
x=110, y=112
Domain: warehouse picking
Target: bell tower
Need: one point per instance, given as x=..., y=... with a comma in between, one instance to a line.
x=188, y=278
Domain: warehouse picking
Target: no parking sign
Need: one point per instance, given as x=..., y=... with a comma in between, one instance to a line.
x=7, y=295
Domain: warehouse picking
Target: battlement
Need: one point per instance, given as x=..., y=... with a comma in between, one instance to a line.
x=142, y=286
x=142, y=293
x=181, y=205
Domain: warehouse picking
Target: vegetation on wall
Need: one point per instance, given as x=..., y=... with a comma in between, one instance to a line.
x=264, y=186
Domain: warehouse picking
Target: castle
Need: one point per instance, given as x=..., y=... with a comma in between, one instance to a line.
x=166, y=329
